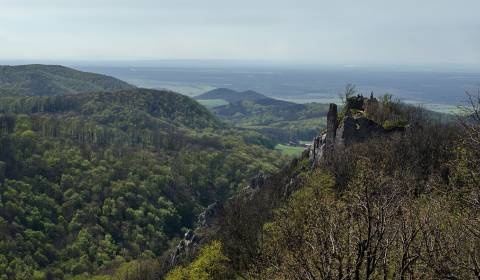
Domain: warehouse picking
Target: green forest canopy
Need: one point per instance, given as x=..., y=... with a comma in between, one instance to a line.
x=41, y=80
x=400, y=206
x=90, y=181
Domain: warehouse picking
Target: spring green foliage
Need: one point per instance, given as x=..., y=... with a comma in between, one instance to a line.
x=398, y=206
x=53, y=80
x=283, y=121
x=91, y=181
x=141, y=109
x=209, y=265
x=375, y=229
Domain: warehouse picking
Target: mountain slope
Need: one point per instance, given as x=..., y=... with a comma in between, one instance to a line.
x=136, y=106
x=89, y=182
x=50, y=80
x=399, y=203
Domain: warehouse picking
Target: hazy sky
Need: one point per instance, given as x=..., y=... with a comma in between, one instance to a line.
x=316, y=31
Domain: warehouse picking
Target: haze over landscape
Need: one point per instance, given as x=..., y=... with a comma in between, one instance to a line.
x=441, y=91
x=424, y=52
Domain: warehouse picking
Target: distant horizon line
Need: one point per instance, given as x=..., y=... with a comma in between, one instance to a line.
x=232, y=63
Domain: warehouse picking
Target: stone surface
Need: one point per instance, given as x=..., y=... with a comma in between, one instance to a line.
x=332, y=124
x=357, y=129
x=354, y=128
x=205, y=218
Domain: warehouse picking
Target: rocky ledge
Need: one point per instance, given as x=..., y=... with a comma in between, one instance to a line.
x=353, y=127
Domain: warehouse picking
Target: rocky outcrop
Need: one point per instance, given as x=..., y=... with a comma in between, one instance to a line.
x=207, y=221
x=324, y=144
x=186, y=247
x=206, y=217
x=331, y=133
x=355, y=127
x=190, y=242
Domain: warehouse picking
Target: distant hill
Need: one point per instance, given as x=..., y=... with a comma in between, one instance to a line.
x=49, y=80
x=230, y=95
x=283, y=121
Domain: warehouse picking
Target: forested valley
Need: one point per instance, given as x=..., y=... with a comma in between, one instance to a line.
x=90, y=182
x=239, y=140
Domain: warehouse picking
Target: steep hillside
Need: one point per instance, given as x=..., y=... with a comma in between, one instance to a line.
x=48, y=80
x=366, y=201
x=89, y=182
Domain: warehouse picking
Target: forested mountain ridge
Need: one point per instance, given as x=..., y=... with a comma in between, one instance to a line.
x=89, y=182
x=269, y=111
x=283, y=121
x=385, y=193
x=37, y=79
x=106, y=107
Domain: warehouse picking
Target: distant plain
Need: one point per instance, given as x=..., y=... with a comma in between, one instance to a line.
x=435, y=89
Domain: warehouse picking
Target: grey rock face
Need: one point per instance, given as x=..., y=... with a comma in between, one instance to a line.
x=331, y=134
x=185, y=246
x=205, y=218
x=353, y=129
x=323, y=145
x=190, y=241
x=357, y=129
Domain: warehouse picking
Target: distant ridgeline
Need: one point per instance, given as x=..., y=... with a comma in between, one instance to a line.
x=47, y=80
x=282, y=120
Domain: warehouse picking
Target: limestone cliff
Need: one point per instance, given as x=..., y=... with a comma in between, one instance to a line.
x=353, y=127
